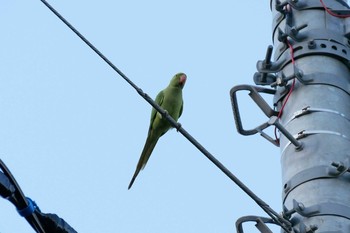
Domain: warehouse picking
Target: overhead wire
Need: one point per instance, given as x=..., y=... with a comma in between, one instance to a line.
x=278, y=219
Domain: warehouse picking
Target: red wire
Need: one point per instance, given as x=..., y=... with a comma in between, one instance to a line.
x=290, y=90
x=292, y=87
x=331, y=12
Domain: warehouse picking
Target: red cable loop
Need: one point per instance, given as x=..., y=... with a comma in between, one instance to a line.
x=290, y=91
x=332, y=13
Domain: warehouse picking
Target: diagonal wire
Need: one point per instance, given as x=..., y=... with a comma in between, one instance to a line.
x=285, y=224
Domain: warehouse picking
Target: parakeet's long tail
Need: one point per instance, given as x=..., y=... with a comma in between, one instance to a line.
x=133, y=178
x=146, y=153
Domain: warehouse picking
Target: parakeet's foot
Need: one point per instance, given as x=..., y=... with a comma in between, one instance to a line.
x=165, y=113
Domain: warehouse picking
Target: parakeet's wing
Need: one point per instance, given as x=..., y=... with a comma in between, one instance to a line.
x=182, y=107
x=159, y=100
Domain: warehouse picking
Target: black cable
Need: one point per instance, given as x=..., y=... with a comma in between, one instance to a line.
x=274, y=215
x=20, y=201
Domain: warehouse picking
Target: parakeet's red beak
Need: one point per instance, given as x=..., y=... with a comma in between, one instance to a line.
x=183, y=79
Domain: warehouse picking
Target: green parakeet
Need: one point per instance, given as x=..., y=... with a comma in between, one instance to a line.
x=170, y=99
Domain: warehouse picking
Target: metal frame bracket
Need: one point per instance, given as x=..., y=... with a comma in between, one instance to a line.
x=267, y=110
x=261, y=223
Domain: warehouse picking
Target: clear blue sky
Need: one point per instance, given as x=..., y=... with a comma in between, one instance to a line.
x=72, y=130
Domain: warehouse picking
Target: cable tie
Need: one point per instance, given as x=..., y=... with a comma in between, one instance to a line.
x=29, y=210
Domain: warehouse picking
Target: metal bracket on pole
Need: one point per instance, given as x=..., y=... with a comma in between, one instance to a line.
x=267, y=69
x=267, y=110
x=331, y=171
x=260, y=223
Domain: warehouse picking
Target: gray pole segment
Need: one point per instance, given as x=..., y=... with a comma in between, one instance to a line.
x=316, y=178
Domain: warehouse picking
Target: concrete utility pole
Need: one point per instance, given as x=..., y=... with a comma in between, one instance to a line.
x=311, y=86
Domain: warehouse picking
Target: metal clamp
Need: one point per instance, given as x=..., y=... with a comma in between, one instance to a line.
x=331, y=171
x=254, y=94
x=298, y=5
x=268, y=111
x=267, y=69
x=327, y=208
